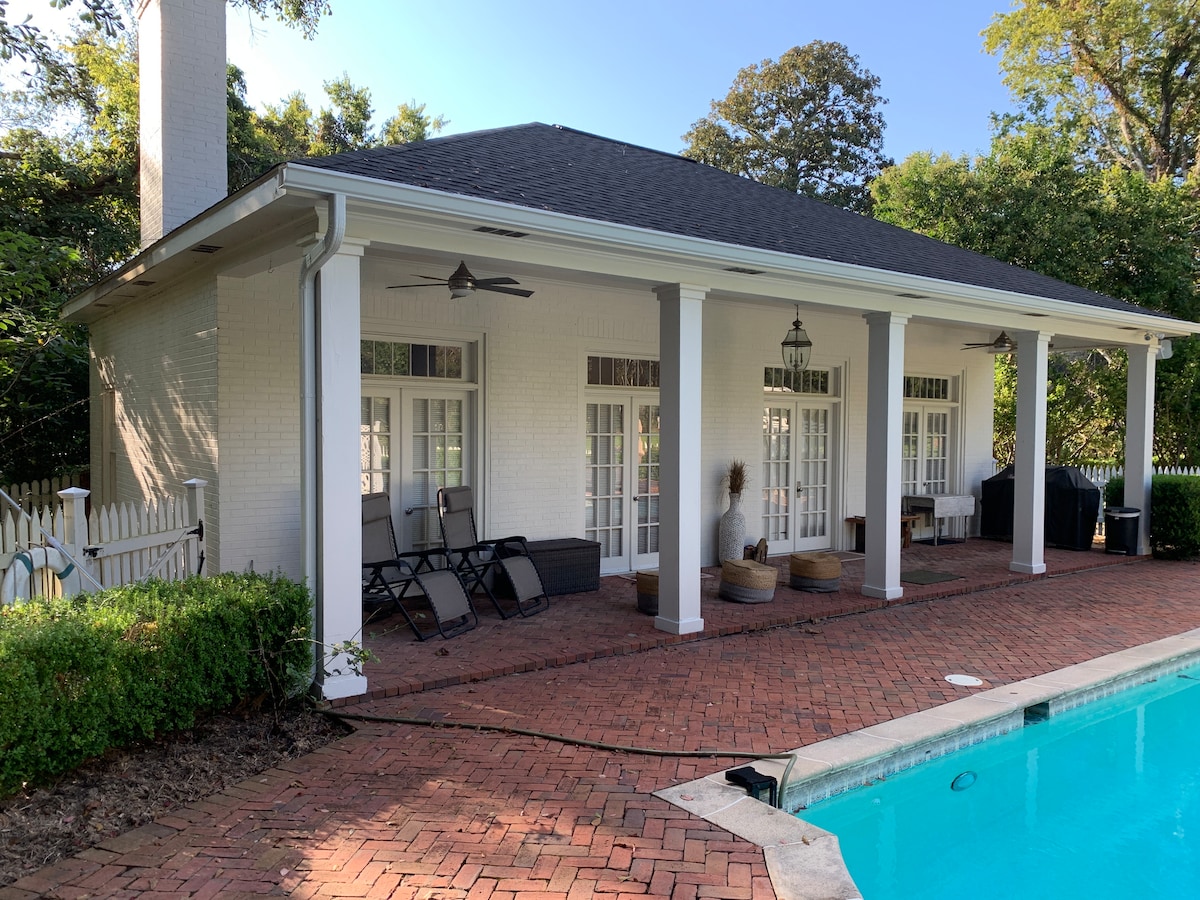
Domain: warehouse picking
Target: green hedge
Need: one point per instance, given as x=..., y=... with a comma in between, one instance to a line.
x=1174, y=513
x=103, y=670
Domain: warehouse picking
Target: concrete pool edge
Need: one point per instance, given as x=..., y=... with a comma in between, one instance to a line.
x=804, y=861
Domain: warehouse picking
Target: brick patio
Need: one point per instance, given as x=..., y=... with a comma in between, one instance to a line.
x=411, y=811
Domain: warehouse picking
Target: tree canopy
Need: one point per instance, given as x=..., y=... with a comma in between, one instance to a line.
x=808, y=123
x=1033, y=203
x=1124, y=74
x=69, y=216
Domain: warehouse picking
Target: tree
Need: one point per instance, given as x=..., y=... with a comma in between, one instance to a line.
x=291, y=130
x=1125, y=74
x=69, y=217
x=808, y=123
x=25, y=41
x=1032, y=203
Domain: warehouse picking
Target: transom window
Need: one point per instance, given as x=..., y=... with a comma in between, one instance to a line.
x=919, y=387
x=810, y=381
x=620, y=371
x=412, y=360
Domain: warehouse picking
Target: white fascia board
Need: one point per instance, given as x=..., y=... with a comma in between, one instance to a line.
x=608, y=238
x=196, y=231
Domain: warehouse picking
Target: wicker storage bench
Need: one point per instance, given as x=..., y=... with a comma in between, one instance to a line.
x=567, y=565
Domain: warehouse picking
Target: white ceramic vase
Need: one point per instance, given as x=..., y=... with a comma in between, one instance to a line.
x=731, y=539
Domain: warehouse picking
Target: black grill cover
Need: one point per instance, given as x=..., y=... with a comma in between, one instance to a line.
x=1072, y=507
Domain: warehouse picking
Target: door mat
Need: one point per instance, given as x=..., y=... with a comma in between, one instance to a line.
x=925, y=576
x=848, y=555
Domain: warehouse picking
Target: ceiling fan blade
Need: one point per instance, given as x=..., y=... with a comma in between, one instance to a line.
x=977, y=346
x=504, y=279
x=426, y=284
x=516, y=292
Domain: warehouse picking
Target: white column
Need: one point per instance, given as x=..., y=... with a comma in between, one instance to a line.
x=1029, y=484
x=339, y=504
x=885, y=421
x=1139, y=436
x=680, y=320
x=181, y=109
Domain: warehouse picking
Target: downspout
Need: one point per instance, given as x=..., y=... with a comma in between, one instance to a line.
x=310, y=459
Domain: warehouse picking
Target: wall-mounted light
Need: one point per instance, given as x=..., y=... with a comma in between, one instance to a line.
x=797, y=348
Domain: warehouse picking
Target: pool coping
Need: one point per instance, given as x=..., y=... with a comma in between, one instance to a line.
x=804, y=861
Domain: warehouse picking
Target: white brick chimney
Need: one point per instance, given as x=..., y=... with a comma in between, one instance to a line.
x=181, y=50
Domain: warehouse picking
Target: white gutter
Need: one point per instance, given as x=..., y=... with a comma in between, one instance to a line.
x=310, y=463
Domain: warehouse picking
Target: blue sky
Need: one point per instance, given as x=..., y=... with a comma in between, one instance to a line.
x=640, y=72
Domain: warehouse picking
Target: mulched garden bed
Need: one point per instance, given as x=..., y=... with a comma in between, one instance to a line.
x=128, y=788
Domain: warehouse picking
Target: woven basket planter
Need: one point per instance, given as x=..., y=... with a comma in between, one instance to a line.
x=814, y=572
x=647, y=593
x=745, y=581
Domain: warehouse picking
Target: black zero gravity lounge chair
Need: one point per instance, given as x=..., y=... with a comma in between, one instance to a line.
x=409, y=581
x=498, y=568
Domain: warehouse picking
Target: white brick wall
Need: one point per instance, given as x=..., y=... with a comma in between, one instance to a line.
x=259, y=421
x=160, y=359
x=172, y=416
x=181, y=51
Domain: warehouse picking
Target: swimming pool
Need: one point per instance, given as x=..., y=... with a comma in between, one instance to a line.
x=805, y=860
x=1098, y=801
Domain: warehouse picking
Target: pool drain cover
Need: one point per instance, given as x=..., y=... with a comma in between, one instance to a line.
x=964, y=680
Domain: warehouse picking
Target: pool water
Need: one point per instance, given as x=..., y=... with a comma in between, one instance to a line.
x=1102, y=801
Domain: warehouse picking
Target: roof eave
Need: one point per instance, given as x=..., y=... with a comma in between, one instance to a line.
x=883, y=285
x=88, y=304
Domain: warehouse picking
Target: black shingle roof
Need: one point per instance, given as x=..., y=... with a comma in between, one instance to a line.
x=578, y=174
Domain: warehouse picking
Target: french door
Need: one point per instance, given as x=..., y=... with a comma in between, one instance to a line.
x=797, y=480
x=621, y=477
x=925, y=454
x=414, y=441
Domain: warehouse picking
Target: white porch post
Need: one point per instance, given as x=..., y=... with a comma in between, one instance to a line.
x=885, y=411
x=1139, y=436
x=680, y=320
x=1029, y=485
x=338, y=491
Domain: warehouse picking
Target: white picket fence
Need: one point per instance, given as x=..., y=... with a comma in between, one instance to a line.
x=31, y=495
x=115, y=545
x=1101, y=475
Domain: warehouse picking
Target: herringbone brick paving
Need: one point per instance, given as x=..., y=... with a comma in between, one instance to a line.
x=408, y=811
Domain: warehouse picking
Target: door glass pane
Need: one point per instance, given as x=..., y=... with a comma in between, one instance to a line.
x=604, y=477
x=937, y=455
x=910, y=483
x=375, y=443
x=437, y=461
x=777, y=472
x=812, y=495
x=648, y=467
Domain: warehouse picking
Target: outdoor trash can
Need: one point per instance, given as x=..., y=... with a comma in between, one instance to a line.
x=1121, y=525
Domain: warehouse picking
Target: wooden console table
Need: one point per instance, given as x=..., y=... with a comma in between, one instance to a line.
x=860, y=531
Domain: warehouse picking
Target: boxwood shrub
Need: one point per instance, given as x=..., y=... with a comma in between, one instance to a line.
x=1174, y=513
x=81, y=675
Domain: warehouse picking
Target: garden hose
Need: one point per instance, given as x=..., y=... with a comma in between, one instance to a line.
x=579, y=742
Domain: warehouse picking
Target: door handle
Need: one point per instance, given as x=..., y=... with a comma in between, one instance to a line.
x=408, y=510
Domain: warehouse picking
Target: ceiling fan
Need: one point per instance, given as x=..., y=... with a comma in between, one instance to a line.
x=1002, y=344
x=462, y=283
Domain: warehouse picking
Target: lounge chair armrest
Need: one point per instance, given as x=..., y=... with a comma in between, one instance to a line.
x=424, y=559
x=511, y=546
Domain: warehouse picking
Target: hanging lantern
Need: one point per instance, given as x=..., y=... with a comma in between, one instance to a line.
x=797, y=348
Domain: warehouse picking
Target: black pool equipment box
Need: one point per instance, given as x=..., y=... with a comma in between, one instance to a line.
x=1072, y=507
